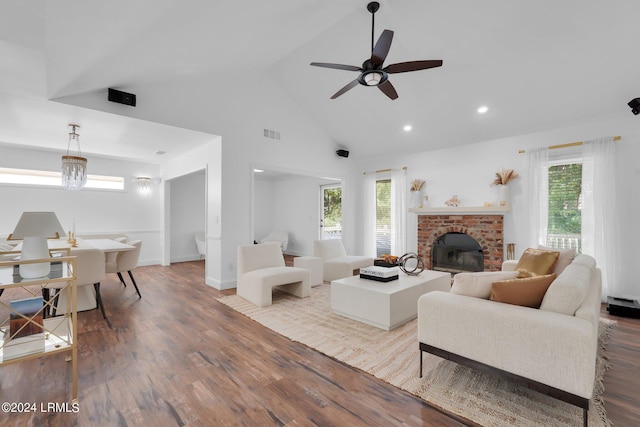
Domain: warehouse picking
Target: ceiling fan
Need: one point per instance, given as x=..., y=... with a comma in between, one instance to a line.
x=371, y=72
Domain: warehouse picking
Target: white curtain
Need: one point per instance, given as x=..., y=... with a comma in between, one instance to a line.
x=538, y=190
x=369, y=220
x=599, y=211
x=398, y=212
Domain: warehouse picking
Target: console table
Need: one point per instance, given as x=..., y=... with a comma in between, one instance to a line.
x=32, y=333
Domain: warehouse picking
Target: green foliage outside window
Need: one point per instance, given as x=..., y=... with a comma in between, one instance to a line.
x=565, y=183
x=383, y=204
x=332, y=206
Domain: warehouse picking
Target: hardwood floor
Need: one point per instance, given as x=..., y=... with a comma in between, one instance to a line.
x=178, y=357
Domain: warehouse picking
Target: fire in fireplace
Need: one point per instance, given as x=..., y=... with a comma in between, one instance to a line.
x=456, y=252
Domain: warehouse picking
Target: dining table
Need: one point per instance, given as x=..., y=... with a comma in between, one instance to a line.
x=86, y=297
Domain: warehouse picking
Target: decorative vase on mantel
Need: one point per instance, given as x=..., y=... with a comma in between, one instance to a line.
x=503, y=195
x=415, y=198
x=501, y=181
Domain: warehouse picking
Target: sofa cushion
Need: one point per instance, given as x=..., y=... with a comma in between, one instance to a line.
x=527, y=292
x=479, y=284
x=567, y=292
x=536, y=262
x=564, y=259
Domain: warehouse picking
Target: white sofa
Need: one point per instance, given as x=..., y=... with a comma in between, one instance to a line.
x=336, y=263
x=552, y=349
x=261, y=268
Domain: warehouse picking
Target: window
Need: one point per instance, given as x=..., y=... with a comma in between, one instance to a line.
x=331, y=212
x=54, y=179
x=383, y=217
x=565, y=205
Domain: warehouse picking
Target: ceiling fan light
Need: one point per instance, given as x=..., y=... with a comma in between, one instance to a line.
x=373, y=79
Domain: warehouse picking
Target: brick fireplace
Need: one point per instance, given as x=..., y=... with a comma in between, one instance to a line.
x=486, y=229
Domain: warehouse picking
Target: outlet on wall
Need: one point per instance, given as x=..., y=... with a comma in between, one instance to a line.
x=230, y=266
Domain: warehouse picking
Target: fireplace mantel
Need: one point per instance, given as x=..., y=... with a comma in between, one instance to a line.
x=463, y=210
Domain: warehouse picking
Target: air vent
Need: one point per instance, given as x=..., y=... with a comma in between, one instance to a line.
x=271, y=134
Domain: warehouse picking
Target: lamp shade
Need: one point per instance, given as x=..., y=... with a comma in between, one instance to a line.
x=37, y=224
x=34, y=228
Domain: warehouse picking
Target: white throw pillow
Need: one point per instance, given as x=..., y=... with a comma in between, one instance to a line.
x=479, y=284
x=567, y=292
x=564, y=259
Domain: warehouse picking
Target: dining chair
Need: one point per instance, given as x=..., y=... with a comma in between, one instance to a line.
x=90, y=271
x=126, y=261
x=111, y=258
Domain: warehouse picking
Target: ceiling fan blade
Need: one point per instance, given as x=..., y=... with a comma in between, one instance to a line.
x=346, y=88
x=388, y=89
x=403, y=67
x=381, y=49
x=336, y=66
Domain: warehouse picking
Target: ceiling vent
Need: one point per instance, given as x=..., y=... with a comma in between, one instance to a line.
x=271, y=134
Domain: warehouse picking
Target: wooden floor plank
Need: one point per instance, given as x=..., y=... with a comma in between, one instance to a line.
x=178, y=357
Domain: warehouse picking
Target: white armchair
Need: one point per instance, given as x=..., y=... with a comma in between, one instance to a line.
x=279, y=236
x=261, y=268
x=336, y=263
x=200, y=244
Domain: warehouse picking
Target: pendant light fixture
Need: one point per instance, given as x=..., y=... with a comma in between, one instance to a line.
x=74, y=167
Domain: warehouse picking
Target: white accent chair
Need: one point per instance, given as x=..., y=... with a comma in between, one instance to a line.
x=126, y=261
x=90, y=272
x=336, y=263
x=261, y=268
x=279, y=236
x=200, y=244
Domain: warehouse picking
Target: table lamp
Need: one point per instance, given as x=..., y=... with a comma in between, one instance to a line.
x=34, y=228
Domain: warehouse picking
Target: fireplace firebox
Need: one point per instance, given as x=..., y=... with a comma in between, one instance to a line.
x=456, y=253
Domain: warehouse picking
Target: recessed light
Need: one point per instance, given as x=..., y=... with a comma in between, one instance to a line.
x=258, y=170
x=407, y=128
x=160, y=152
x=483, y=109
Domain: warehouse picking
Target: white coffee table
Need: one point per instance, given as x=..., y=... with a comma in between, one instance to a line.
x=385, y=305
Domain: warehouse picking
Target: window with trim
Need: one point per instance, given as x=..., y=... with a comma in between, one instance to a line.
x=54, y=179
x=383, y=217
x=565, y=205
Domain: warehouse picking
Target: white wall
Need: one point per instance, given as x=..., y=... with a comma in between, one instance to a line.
x=94, y=211
x=209, y=158
x=259, y=105
x=468, y=171
x=188, y=207
x=263, y=206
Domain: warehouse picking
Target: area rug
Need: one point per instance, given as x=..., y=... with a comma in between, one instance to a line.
x=393, y=357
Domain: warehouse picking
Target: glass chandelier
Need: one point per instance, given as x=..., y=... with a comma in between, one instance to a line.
x=74, y=167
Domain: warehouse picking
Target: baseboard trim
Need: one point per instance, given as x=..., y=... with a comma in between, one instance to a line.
x=221, y=285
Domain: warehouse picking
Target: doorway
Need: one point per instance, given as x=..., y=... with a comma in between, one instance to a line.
x=291, y=201
x=330, y=211
x=187, y=216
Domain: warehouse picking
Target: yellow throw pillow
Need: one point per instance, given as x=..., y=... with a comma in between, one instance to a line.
x=564, y=259
x=527, y=292
x=536, y=262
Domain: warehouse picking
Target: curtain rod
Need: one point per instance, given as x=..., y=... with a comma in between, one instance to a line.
x=570, y=144
x=404, y=168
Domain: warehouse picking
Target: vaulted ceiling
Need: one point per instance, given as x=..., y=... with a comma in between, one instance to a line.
x=536, y=65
